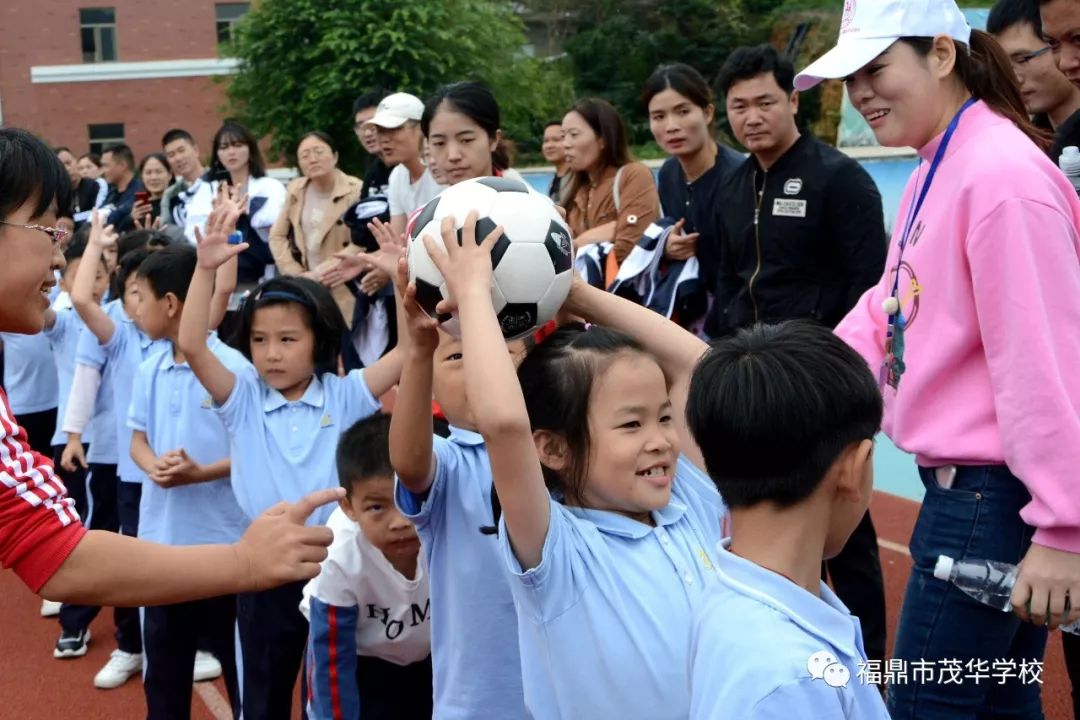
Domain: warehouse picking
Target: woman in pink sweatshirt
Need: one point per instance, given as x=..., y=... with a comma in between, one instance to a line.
x=975, y=331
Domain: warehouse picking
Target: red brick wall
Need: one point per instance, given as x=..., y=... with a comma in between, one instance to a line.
x=46, y=32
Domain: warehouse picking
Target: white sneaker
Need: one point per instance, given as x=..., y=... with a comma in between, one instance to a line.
x=207, y=666
x=50, y=608
x=118, y=670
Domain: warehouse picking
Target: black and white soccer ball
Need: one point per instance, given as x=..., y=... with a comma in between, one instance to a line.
x=532, y=261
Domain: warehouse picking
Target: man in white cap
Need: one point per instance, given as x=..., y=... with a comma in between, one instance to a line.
x=401, y=142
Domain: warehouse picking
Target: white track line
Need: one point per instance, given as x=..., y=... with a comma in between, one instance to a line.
x=217, y=705
x=895, y=547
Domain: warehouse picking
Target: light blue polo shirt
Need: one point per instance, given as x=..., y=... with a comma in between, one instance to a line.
x=100, y=432
x=171, y=406
x=604, y=619
x=474, y=644
x=125, y=352
x=284, y=450
x=63, y=338
x=29, y=373
x=752, y=645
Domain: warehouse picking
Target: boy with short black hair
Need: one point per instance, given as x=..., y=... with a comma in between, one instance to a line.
x=369, y=648
x=182, y=446
x=785, y=416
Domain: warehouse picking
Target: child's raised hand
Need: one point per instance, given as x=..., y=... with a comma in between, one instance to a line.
x=101, y=234
x=465, y=267
x=214, y=248
x=423, y=330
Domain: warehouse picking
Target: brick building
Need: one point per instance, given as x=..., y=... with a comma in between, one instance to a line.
x=88, y=73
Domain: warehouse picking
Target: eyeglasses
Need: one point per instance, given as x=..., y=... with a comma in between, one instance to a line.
x=1021, y=60
x=55, y=234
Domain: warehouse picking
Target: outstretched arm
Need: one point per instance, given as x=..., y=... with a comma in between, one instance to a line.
x=494, y=393
x=677, y=350
x=110, y=569
x=82, y=290
x=214, y=251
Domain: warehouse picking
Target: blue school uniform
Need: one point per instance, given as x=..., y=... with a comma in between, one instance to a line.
x=814, y=647
x=102, y=425
x=63, y=338
x=475, y=662
x=170, y=405
x=29, y=373
x=284, y=450
x=126, y=350
x=604, y=619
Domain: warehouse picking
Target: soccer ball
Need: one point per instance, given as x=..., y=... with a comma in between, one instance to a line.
x=532, y=261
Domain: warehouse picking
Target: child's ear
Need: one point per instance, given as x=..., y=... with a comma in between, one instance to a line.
x=551, y=449
x=175, y=305
x=852, y=468
x=346, y=507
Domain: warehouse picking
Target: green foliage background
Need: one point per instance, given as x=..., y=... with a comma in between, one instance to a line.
x=303, y=62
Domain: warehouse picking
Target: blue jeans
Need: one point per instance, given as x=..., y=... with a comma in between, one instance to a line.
x=977, y=518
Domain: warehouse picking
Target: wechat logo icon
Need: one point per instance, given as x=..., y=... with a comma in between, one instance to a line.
x=824, y=666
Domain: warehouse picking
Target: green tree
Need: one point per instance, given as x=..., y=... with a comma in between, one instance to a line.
x=304, y=61
x=618, y=44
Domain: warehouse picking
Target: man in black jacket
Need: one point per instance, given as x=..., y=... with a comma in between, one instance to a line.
x=802, y=237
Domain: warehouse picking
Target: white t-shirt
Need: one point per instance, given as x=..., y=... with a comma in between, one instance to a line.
x=393, y=623
x=406, y=196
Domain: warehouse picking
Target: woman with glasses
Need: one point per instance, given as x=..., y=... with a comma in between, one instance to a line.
x=41, y=536
x=310, y=229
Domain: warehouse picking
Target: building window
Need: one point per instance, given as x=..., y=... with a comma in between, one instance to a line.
x=104, y=136
x=228, y=14
x=97, y=27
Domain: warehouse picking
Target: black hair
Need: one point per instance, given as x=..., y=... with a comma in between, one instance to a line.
x=76, y=248
x=1007, y=13
x=363, y=452
x=160, y=157
x=608, y=125
x=30, y=172
x=986, y=72
x=552, y=123
x=154, y=239
x=63, y=148
x=92, y=157
x=750, y=61
x=122, y=153
x=369, y=99
x=127, y=266
x=475, y=101
x=556, y=379
x=773, y=407
x=169, y=270
x=318, y=135
x=175, y=134
x=232, y=130
x=681, y=78
x=320, y=311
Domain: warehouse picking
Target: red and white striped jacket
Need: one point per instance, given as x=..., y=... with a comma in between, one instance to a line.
x=39, y=527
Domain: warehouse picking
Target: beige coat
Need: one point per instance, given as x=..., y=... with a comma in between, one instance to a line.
x=290, y=255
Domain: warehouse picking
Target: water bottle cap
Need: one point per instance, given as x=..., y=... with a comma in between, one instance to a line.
x=1071, y=151
x=943, y=568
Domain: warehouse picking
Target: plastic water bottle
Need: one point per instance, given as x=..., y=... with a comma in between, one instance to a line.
x=1069, y=162
x=988, y=581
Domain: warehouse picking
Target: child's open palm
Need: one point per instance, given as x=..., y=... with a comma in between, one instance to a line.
x=214, y=247
x=101, y=234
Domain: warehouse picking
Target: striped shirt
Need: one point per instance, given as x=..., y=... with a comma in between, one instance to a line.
x=39, y=527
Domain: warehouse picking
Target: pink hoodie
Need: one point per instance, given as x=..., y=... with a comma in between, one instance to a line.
x=990, y=284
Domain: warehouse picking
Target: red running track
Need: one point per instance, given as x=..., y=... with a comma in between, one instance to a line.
x=33, y=685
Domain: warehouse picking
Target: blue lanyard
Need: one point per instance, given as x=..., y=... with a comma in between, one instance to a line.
x=913, y=211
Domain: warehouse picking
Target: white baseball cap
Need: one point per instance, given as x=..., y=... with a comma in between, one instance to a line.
x=396, y=110
x=869, y=27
